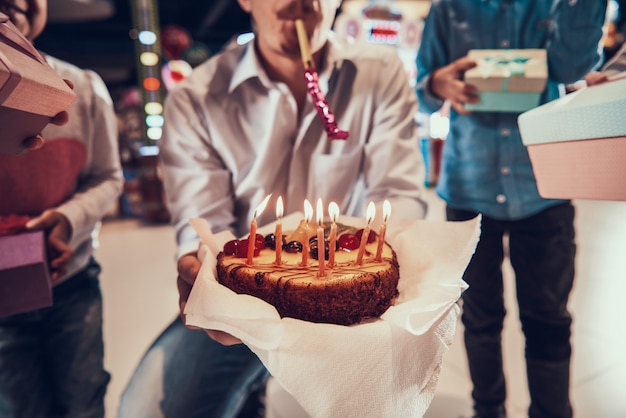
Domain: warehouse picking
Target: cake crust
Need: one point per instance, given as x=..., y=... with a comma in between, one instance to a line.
x=346, y=295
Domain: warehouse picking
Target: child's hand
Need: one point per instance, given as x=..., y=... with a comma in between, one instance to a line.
x=37, y=141
x=58, y=233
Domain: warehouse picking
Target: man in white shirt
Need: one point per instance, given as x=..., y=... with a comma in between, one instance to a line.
x=243, y=126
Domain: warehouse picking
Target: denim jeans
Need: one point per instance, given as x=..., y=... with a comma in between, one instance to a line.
x=187, y=374
x=542, y=253
x=51, y=359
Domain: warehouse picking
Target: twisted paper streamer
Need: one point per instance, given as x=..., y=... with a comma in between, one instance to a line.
x=312, y=84
x=321, y=105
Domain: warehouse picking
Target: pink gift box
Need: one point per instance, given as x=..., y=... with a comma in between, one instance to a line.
x=577, y=144
x=31, y=92
x=584, y=169
x=25, y=282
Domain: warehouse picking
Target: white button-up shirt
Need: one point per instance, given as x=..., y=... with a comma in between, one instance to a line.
x=232, y=136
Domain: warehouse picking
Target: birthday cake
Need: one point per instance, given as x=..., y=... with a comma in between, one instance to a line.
x=347, y=292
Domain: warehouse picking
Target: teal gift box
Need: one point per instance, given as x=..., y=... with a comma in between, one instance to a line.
x=507, y=80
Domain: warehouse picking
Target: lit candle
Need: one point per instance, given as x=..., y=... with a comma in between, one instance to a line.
x=321, y=247
x=252, y=238
x=383, y=230
x=278, y=233
x=308, y=214
x=369, y=216
x=333, y=212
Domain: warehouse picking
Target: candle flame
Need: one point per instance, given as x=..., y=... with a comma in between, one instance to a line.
x=308, y=211
x=259, y=209
x=320, y=212
x=370, y=213
x=386, y=211
x=279, y=207
x=333, y=211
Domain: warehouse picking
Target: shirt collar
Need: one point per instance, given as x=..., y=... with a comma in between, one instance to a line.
x=249, y=67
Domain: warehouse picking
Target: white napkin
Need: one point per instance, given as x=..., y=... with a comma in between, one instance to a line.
x=386, y=367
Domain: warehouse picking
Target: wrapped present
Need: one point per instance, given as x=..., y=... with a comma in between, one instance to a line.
x=31, y=92
x=508, y=80
x=25, y=282
x=577, y=144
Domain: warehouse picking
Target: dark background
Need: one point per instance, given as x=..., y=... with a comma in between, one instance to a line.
x=98, y=37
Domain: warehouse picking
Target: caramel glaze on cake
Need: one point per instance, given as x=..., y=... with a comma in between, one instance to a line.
x=347, y=294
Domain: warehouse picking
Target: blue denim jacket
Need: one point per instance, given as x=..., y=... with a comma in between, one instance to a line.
x=485, y=165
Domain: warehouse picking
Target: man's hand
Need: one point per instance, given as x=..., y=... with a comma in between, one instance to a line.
x=188, y=268
x=447, y=83
x=595, y=77
x=58, y=233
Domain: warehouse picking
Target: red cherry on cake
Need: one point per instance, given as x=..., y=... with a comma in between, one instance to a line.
x=370, y=238
x=230, y=248
x=348, y=242
x=260, y=242
x=242, y=249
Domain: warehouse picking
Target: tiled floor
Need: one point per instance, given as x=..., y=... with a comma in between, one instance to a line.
x=138, y=283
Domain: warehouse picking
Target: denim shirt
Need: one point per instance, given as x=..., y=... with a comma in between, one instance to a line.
x=485, y=166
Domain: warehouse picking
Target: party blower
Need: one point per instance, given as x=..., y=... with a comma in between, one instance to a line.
x=312, y=84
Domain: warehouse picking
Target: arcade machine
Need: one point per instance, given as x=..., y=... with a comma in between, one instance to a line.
x=399, y=25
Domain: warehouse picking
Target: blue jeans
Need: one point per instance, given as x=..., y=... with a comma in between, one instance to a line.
x=542, y=252
x=187, y=374
x=51, y=359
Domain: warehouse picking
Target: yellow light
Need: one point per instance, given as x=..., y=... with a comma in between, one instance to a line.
x=153, y=108
x=149, y=59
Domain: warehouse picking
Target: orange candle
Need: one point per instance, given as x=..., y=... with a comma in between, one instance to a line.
x=383, y=230
x=333, y=212
x=278, y=233
x=369, y=216
x=252, y=238
x=308, y=214
x=321, y=247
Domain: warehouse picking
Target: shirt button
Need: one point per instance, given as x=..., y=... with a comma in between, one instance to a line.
x=504, y=44
x=501, y=198
x=505, y=170
x=505, y=132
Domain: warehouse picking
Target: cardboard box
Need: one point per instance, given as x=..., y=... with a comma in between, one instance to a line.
x=25, y=282
x=508, y=80
x=31, y=92
x=577, y=144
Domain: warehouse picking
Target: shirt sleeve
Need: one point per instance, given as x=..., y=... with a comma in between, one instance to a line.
x=432, y=54
x=617, y=63
x=393, y=165
x=100, y=184
x=574, y=46
x=196, y=182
